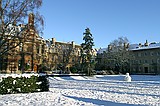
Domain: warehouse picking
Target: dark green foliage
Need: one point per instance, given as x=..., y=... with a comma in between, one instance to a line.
x=86, y=52
x=44, y=86
x=11, y=85
x=73, y=69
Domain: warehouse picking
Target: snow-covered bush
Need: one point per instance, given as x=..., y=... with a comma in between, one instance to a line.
x=23, y=83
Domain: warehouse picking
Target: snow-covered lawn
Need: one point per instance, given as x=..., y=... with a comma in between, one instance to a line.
x=109, y=90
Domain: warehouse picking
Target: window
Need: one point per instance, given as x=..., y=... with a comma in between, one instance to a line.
x=140, y=61
x=19, y=64
x=145, y=61
x=136, y=54
x=53, y=58
x=38, y=49
x=158, y=60
x=78, y=53
x=73, y=60
x=140, y=68
x=145, y=53
x=158, y=53
x=142, y=54
x=152, y=53
x=20, y=47
x=139, y=55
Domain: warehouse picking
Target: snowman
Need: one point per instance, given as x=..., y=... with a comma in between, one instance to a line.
x=127, y=78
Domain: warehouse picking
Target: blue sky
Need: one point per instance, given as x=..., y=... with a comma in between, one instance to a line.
x=66, y=20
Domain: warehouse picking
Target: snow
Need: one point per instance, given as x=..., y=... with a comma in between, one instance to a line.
x=134, y=47
x=101, y=50
x=103, y=90
x=20, y=75
x=150, y=46
x=127, y=78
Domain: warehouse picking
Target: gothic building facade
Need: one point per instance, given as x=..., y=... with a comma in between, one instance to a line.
x=62, y=55
x=34, y=53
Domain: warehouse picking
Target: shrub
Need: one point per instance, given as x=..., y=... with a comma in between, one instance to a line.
x=23, y=84
x=73, y=69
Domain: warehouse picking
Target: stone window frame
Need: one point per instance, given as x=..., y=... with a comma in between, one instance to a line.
x=158, y=53
x=158, y=60
x=152, y=53
x=145, y=61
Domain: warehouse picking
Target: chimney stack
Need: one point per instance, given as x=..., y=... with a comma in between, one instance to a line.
x=109, y=47
x=146, y=44
x=53, y=41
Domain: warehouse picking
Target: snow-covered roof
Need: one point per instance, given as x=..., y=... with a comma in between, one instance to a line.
x=150, y=46
x=133, y=46
x=101, y=50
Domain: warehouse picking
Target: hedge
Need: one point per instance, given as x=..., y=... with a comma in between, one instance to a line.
x=23, y=84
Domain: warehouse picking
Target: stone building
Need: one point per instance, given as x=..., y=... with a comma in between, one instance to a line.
x=62, y=55
x=112, y=58
x=142, y=58
x=23, y=57
x=34, y=53
x=146, y=58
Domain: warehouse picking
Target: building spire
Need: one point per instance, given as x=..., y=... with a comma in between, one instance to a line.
x=31, y=21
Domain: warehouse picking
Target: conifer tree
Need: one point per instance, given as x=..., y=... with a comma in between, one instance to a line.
x=86, y=52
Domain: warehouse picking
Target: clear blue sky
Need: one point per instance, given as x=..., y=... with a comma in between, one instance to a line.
x=66, y=20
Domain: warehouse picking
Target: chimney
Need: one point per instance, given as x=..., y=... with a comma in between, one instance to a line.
x=146, y=44
x=53, y=41
x=125, y=45
x=128, y=45
x=73, y=44
x=140, y=45
x=109, y=47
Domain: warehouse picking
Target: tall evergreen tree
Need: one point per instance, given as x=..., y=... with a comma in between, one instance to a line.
x=86, y=51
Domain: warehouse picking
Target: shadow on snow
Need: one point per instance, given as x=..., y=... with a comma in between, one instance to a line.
x=100, y=102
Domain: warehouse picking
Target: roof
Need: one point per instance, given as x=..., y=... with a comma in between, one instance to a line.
x=135, y=47
x=150, y=46
x=101, y=50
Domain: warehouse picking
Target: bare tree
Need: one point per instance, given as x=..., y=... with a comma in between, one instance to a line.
x=66, y=53
x=12, y=13
x=118, y=44
x=14, y=27
x=119, y=52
